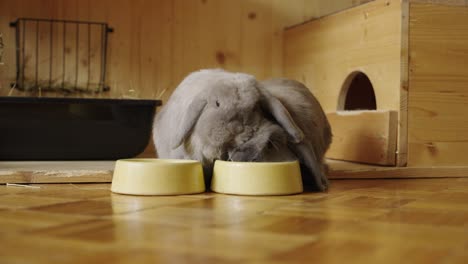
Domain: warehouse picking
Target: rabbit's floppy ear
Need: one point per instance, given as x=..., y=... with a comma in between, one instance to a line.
x=281, y=114
x=308, y=157
x=188, y=121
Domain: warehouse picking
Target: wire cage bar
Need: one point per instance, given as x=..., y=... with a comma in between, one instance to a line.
x=2, y=46
x=61, y=55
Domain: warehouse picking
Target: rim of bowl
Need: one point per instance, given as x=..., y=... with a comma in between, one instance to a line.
x=256, y=163
x=159, y=161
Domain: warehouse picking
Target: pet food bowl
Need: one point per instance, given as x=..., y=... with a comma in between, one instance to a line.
x=257, y=178
x=157, y=177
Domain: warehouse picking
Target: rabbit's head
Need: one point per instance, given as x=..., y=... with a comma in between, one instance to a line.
x=269, y=142
x=234, y=118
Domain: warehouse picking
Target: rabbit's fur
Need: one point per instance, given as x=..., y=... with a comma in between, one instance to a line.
x=308, y=114
x=214, y=114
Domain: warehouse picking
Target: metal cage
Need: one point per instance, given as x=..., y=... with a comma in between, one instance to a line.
x=61, y=55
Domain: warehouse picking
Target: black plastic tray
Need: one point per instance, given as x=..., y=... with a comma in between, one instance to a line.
x=74, y=128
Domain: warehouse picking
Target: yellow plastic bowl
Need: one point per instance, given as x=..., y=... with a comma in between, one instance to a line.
x=157, y=177
x=257, y=178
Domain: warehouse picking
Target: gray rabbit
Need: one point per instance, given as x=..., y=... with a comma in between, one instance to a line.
x=215, y=114
x=306, y=111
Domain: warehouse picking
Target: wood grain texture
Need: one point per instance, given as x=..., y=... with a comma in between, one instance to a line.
x=352, y=170
x=402, y=153
x=437, y=121
x=442, y=2
x=356, y=221
x=364, y=136
x=55, y=172
x=101, y=171
x=157, y=43
x=325, y=53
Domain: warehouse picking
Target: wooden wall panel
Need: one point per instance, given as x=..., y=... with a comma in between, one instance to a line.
x=157, y=42
x=438, y=105
x=326, y=53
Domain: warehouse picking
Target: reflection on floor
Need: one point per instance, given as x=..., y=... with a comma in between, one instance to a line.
x=356, y=221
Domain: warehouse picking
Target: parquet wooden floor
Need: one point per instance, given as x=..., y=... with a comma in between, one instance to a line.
x=356, y=221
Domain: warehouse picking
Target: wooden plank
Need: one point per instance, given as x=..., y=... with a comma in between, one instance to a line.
x=438, y=77
x=364, y=136
x=414, y=221
x=442, y=2
x=56, y=171
x=402, y=153
x=329, y=7
x=323, y=53
x=157, y=43
x=351, y=170
x=256, y=39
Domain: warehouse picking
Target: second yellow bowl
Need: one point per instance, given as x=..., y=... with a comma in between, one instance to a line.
x=257, y=178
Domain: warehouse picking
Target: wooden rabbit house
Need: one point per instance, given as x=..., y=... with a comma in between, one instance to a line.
x=392, y=76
